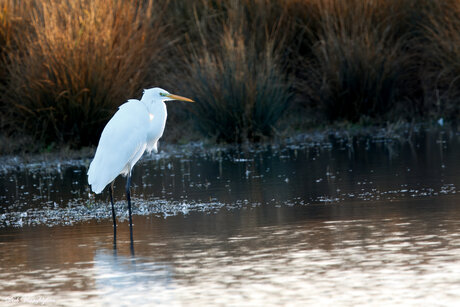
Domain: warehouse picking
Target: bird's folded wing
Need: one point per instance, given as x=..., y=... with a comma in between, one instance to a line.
x=122, y=143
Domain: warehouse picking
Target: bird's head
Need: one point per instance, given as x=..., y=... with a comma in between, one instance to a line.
x=157, y=94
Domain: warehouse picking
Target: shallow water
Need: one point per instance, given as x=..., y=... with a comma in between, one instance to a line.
x=340, y=222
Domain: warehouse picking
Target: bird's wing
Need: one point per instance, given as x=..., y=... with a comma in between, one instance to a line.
x=122, y=143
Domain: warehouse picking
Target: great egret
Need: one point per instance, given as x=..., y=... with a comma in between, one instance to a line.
x=135, y=128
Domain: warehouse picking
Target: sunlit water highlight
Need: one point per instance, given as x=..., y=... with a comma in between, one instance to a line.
x=368, y=222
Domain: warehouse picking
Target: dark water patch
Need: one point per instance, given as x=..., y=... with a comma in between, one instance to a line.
x=301, y=172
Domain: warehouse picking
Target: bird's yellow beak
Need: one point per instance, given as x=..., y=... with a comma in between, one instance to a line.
x=177, y=97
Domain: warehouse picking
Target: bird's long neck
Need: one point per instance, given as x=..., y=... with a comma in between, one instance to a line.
x=158, y=110
x=157, y=115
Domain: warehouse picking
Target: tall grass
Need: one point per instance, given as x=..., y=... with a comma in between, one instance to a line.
x=236, y=73
x=80, y=60
x=441, y=72
x=357, y=66
x=67, y=64
x=11, y=24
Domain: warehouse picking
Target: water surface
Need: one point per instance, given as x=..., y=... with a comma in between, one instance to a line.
x=339, y=222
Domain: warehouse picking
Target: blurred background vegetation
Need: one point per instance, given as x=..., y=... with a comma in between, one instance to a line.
x=256, y=68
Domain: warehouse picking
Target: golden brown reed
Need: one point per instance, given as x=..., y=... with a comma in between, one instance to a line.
x=68, y=64
x=77, y=62
x=236, y=71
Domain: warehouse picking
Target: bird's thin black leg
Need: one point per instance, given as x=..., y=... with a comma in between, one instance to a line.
x=113, y=217
x=128, y=196
x=113, y=207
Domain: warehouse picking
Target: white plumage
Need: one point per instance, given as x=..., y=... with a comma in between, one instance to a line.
x=135, y=128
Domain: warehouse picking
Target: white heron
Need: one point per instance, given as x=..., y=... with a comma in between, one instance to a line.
x=135, y=128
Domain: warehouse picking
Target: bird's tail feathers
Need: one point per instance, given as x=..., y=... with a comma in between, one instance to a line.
x=100, y=174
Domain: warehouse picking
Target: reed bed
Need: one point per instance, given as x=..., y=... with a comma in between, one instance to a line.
x=236, y=72
x=67, y=65
x=76, y=63
x=441, y=75
x=357, y=67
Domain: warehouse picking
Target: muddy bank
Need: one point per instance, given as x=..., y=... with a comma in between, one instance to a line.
x=65, y=157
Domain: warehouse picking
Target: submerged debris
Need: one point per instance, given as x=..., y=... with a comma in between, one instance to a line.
x=76, y=213
x=314, y=170
x=53, y=215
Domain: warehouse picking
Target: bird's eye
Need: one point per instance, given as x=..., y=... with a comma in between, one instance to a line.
x=162, y=94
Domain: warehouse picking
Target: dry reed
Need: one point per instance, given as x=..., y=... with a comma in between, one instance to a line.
x=80, y=60
x=66, y=65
